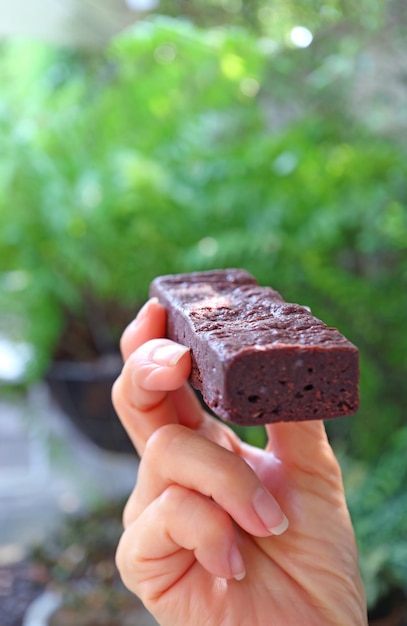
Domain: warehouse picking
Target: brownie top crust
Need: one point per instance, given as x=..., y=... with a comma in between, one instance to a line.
x=255, y=357
x=230, y=308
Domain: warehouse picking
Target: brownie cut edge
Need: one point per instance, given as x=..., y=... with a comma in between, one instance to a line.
x=257, y=359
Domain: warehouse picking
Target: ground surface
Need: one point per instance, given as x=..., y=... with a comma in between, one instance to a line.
x=48, y=474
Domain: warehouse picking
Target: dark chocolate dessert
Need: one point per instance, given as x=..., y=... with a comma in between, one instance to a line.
x=257, y=359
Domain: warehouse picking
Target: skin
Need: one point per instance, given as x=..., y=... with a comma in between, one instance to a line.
x=205, y=539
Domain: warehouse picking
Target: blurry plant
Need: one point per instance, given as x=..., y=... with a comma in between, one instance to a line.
x=88, y=210
x=79, y=561
x=329, y=230
x=378, y=503
x=183, y=148
x=275, y=18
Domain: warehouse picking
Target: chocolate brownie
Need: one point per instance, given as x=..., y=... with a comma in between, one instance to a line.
x=257, y=359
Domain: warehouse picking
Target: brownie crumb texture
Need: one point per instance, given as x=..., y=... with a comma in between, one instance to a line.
x=257, y=359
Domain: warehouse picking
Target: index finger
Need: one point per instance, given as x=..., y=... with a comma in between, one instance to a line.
x=149, y=323
x=151, y=390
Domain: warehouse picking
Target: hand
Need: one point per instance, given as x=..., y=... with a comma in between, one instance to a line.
x=206, y=539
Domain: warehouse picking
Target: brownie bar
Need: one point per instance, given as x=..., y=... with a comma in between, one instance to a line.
x=257, y=359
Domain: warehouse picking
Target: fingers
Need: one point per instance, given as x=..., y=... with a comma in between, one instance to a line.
x=178, y=455
x=151, y=390
x=153, y=368
x=175, y=530
x=141, y=393
x=150, y=323
x=180, y=518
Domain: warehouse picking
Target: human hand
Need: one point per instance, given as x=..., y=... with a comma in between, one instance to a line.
x=205, y=539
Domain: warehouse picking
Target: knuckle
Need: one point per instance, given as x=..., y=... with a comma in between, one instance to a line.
x=125, y=563
x=115, y=393
x=173, y=498
x=235, y=467
x=188, y=509
x=159, y=443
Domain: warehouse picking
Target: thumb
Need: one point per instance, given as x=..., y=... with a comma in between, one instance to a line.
x=303, y=444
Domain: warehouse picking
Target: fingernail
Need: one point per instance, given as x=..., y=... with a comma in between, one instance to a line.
x=236, y=564
x=269, y=512
x=281, y=528
x=169, y=354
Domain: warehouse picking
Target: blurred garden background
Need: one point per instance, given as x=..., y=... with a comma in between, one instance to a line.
x=156, y=137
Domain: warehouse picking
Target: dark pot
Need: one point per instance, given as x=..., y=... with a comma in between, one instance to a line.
x=390, y=611
x=83, y=392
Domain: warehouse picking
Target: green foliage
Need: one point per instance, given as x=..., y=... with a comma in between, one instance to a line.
x=184, y=148
x=378, y=503
x=274, y=18
x=96, y=212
